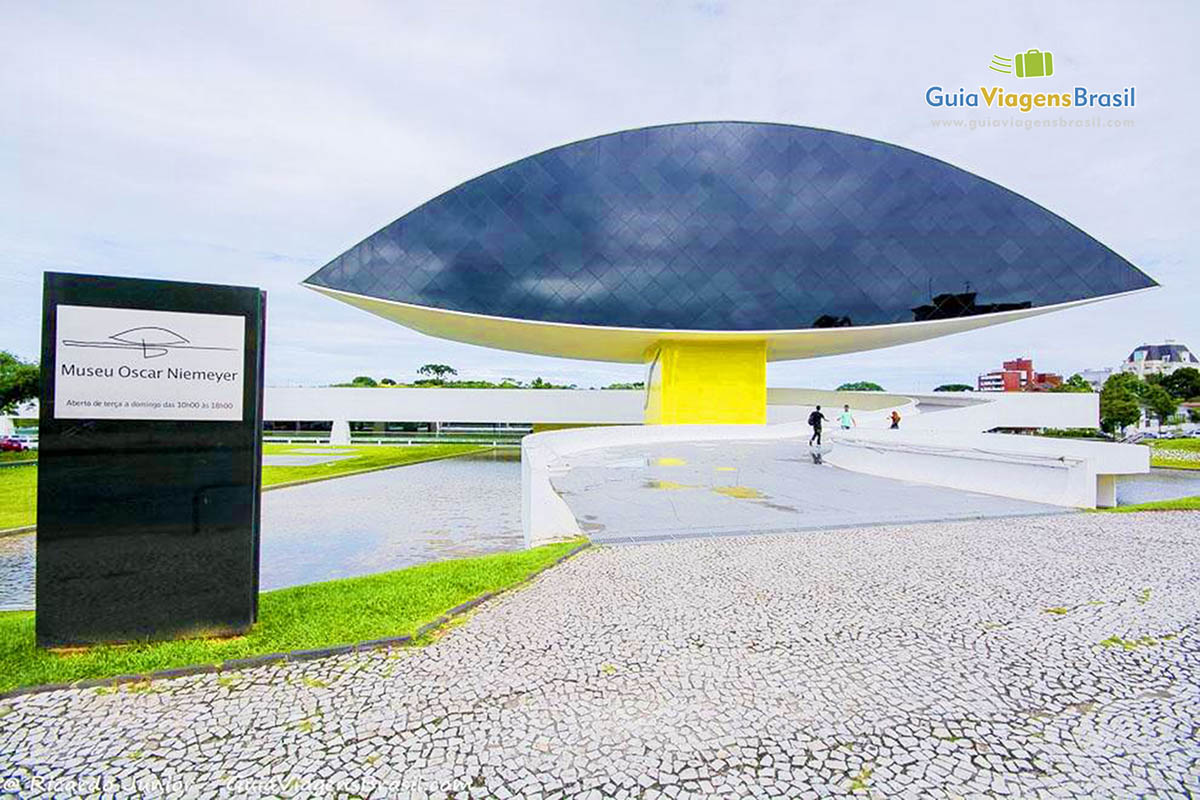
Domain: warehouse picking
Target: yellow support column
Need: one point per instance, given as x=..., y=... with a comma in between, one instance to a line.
x=693, y=383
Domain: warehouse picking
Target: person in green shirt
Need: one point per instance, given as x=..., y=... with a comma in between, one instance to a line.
x=846, y=419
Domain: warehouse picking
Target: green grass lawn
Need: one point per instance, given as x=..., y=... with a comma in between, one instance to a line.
x=1177, y=453
x=18, y=485
x=301, y=618
x=366, y=457
x=24, y=455
x=18, y=496
x=1179, y=504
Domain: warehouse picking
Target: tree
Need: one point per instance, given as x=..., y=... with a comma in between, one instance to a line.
x=437, y=372
x=1119, y=406
x=1183, y=383
x=1075, y=383
x=860, y=386
x=1160, y=402
x=954, y=387
x=363, y=380
x=386, y=382
x=20, y=382
x=1127, y=381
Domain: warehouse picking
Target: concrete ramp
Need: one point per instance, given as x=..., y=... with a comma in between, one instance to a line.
x=684, y=490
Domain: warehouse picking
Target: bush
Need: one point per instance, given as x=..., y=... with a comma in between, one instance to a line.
x=1074, y=433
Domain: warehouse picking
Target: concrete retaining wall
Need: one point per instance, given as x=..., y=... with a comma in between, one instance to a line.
x=1061, y=472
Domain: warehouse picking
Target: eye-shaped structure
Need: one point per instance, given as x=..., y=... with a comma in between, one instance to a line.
x=732, y=241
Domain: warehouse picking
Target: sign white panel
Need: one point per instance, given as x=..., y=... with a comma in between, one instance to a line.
x=128, y=363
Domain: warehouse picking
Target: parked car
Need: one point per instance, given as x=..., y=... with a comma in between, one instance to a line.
x=11, y=445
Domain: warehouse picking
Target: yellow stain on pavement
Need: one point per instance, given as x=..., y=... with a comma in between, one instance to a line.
x=671, y=462
x=740, y=492
x=667, y=485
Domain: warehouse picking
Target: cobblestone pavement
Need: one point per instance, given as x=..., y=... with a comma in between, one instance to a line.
x=1040, y=657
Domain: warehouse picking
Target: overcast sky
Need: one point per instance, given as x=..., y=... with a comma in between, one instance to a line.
x=250, y=143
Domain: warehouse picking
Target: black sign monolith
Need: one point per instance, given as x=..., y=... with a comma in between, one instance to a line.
x=150, y=459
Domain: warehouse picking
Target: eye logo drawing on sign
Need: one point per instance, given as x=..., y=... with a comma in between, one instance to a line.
x=151, y=340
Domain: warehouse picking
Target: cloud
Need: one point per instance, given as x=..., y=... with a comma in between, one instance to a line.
x=250, y=144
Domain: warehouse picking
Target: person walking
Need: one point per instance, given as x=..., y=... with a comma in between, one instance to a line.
x=815, y=419
x=846, y=418
x=895, y=420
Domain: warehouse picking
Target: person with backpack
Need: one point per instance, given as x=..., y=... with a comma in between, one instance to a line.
x=816, y=419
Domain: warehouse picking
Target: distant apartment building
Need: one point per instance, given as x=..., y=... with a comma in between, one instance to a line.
x=1018, y=375
x=1159, y=359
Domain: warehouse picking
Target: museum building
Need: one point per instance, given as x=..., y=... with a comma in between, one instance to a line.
x=707, y=249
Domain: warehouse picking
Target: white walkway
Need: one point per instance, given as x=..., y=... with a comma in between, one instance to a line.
x=683, y=490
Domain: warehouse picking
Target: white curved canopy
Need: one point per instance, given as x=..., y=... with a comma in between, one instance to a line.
x=630, y=345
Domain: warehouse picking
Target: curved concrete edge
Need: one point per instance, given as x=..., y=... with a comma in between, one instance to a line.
x=18, y=531
x=238, y=664
x=944, y=445
x=545, y=517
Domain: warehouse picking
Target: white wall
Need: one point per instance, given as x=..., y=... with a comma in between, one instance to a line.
x=984, y=411
x=1063, y=472
x=454, y=405
x=520, y=405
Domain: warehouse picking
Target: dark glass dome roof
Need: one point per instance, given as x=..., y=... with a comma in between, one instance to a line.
x=733, y=226
x=1163, y=352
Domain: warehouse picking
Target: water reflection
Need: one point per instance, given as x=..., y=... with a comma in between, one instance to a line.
x=426, y=512
x=1159, y=484
x=962, y=304
x=392, y=519
x=16, y=572
x=360, y=524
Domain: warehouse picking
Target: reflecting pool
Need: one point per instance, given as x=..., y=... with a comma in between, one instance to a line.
x=395, y=518
x=1159, y=484
x=361, y=524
